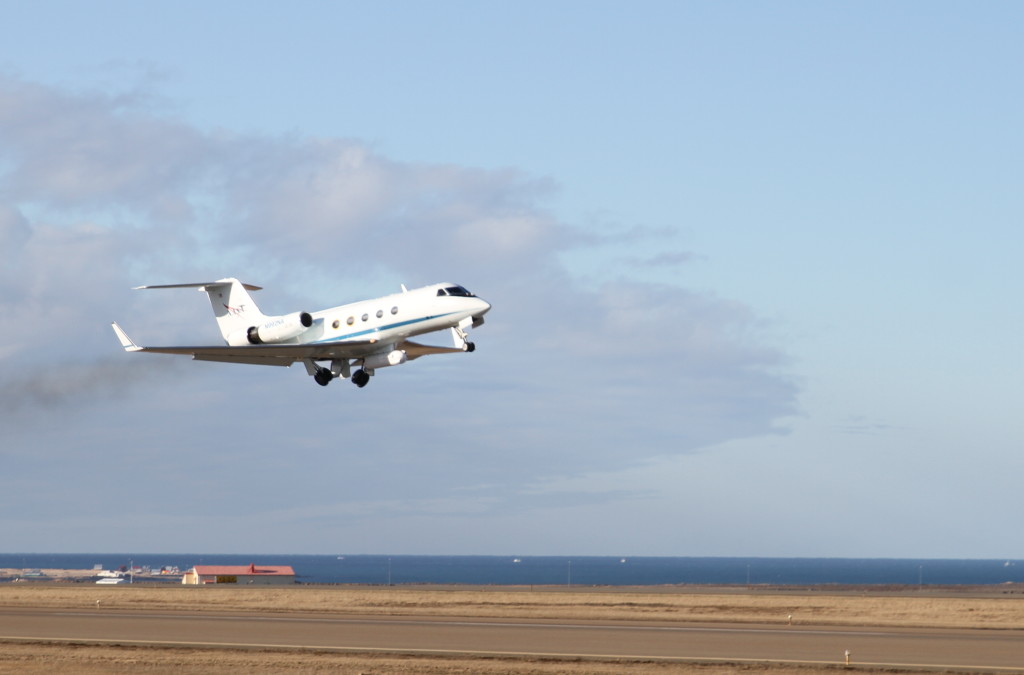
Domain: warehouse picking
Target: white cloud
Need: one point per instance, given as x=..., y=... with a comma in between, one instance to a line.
x=89, y=150
x=14, y=233
x=569, y=379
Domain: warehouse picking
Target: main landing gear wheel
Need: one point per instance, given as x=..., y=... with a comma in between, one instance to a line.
x=323, y=377
x=470, y=347
x=360, y=378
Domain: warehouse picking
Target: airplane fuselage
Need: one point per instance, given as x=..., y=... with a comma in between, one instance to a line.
x=395, y=317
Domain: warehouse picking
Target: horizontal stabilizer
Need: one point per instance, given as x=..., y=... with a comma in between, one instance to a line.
x=201, y=285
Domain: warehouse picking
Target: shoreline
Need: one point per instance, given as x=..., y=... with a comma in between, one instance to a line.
x=62, y=577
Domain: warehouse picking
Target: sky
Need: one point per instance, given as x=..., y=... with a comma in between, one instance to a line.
x=754, y=269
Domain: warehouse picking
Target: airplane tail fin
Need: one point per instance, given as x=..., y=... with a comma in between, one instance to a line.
x=231, y=302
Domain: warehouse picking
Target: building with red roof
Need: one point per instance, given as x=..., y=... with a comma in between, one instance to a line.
x=251, y=574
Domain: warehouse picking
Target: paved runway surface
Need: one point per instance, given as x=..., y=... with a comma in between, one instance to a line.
x=1001, y=650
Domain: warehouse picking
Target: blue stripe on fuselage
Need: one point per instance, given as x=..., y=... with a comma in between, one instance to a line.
x=371, y=331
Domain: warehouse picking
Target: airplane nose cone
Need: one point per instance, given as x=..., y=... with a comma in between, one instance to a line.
x=484, y=307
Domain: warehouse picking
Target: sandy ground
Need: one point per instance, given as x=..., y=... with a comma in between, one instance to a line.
x=984, y=607
x=91, y=660
x=993, y=607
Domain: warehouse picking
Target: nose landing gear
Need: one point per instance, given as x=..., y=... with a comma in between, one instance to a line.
x=461, y=339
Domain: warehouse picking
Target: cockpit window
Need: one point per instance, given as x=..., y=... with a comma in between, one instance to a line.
x=460, y=291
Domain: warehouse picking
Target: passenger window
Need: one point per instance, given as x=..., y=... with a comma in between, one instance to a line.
x=394, y=310
x=380, y=313
x=336, y=324
x=366, y=317
x=351, y=320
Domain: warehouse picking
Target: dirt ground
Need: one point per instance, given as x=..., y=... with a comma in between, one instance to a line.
x=953, y=607
x=95, y=660
x=985, y=607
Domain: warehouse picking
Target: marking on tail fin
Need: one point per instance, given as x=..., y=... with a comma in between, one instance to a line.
x=232, y=306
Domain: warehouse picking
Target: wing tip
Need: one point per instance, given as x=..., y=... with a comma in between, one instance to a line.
x=123, y=338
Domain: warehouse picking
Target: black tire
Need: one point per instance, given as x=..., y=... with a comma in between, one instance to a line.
x=323, y=377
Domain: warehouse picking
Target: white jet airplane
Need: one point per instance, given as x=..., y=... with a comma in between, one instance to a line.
x=370, y=334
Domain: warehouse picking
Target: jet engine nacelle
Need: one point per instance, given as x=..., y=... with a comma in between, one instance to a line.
x=274, y=329
x=392, y=358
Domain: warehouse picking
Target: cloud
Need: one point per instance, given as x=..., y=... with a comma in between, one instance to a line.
x=14, y=232
x=302, y=199
x=668, y=259
x=101, y=193
x=858, y=425
x=330, y=199
x=74, y=150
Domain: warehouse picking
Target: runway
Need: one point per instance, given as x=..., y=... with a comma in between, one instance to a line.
x=975, y=650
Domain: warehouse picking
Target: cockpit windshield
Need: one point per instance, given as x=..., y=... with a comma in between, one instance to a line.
x=455, y=290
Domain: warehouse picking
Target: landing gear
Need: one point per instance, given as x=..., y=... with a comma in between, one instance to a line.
x=339, y=368
x=323, y=376
x=360, y=378
x=461, y=339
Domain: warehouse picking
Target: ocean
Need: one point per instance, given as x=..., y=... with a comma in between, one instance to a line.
x=562, y=570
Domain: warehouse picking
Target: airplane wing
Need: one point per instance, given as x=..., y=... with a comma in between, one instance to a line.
x=285, y=354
